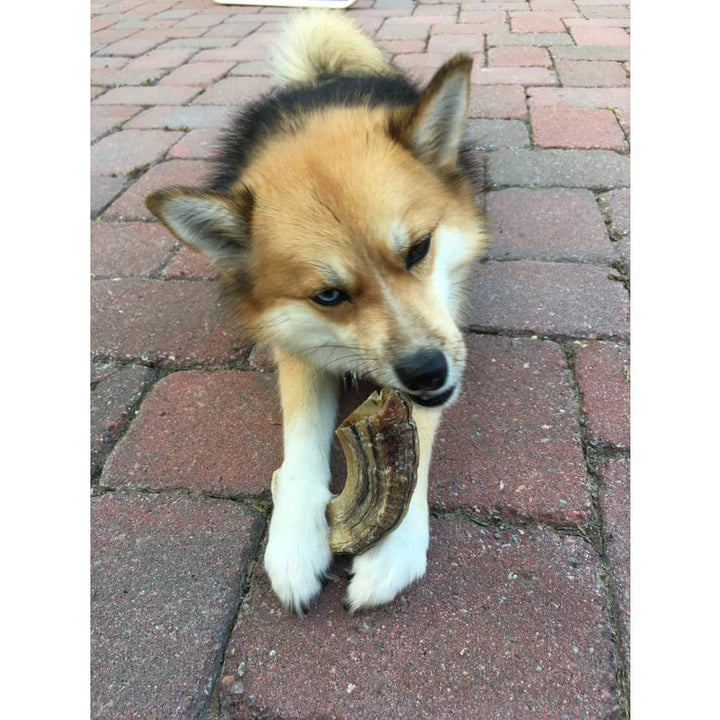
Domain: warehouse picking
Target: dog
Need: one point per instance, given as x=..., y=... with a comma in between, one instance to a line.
x=342, y=219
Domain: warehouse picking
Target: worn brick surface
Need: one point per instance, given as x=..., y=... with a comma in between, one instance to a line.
x=128, y=46
x=103, y=189
x=197, y=73
x=116, y=390
x=253, y=47
x=603, y=372
x=559, y=168
x=403, y=32
x=614, y=494
x=125, y=150
x=511, y=444
x=497, y=101
x=167, y=578
x=598, y=73
x=449, y=44
x=163, y=58
x=152, y=95
x=178, y=117
x=549, y=299
x=547, y=224
x=125, y=76
x=234, y=91
x=162, y=321
x=514, y=76
x=238, y=29
x=128, y=249
x=519, y=57
x=188, y=264
x=585, y=128
x=234, y=420
x=590, y=52
x=580, y=97
x=616, y=205
x=196, y=144
x=600, y=36
x=510, y=623
x=107, y=117
x=536, y=22
x=501, y=39
x=131, y=205
x=494, y=134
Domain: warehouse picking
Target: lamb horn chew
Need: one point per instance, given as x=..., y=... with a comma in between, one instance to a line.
x=379, y=440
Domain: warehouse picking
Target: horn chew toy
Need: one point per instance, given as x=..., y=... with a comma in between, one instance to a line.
x=379, y=440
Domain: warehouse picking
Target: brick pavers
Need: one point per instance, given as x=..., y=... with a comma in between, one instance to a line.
x=167, y=575
x=525, y=609
x=506, y=623
x=162, y=321
x=235, y=422
x=519, y=453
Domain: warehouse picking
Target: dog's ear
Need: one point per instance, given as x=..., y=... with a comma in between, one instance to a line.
x=216, y=224
x=437, y=120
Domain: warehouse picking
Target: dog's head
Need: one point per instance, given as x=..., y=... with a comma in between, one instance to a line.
x=347, y=240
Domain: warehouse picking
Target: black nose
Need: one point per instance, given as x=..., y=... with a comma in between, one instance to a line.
x=422, y=370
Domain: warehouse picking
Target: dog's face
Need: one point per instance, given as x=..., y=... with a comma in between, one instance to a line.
x=342, y=246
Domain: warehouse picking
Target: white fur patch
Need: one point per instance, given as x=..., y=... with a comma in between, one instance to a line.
x=451, y=253
x=298, y=553
x=394, y=563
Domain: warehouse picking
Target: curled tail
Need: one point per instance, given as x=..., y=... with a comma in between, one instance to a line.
x=325, y=42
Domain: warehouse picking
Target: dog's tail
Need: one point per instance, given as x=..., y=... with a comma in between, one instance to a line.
x=325, y=42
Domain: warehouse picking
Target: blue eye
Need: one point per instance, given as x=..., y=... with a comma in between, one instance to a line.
x=418, y=251
x=331, y=296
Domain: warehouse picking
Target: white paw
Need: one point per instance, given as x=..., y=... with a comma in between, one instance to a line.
x=386, y=569
x=298, y=553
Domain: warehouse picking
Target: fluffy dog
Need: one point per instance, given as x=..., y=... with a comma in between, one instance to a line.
x=341, y=217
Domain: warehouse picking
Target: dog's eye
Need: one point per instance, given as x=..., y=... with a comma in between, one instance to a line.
x=331, y=296
x=418, y=251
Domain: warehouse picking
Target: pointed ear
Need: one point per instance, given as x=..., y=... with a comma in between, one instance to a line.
x=437, y=122
x=215, y=224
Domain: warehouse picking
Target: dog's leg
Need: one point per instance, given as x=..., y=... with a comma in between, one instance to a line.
x=298, y=554
x=386, y=569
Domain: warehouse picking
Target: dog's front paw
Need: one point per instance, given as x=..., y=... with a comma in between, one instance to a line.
x=386, y=569
x=298, y=552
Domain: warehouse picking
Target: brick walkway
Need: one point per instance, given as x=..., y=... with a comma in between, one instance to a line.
x=524, y=610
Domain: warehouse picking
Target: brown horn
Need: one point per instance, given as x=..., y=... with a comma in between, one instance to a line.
x=379, y=440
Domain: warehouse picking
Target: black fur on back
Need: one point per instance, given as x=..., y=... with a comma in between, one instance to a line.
x=285, y=109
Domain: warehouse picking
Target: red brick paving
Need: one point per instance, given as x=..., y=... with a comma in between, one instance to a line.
x=585, y=73
x=547, y=224
x=125, y=150
x=131, y=205
x=519, y=57
x=520, y=452
x=162, y=321
x=518, y=619
x=167, y=576
x=512, y=622
x=559, y=298
x=128, y=249
x=603, y=372
x=566, y=127
x=234, y=420
x=188, y=264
